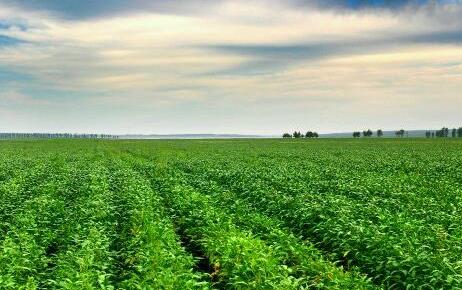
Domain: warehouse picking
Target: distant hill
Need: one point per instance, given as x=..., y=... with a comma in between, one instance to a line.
x=386, y=134
x=410, y=133
x=189, y=136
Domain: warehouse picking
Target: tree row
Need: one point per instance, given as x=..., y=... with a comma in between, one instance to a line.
x=442, y=133
x=298, y=134
x=55, y=136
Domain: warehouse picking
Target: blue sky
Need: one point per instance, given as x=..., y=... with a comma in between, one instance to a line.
x=251, y=67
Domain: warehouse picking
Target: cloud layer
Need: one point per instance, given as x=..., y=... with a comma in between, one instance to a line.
x=229, y=66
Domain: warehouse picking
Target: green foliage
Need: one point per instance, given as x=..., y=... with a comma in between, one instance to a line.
x=297, y=134
x=400, y=133
x=390, y=218
x=443, y=132
x=231, y=214
x=368, y=133
x=311, y=134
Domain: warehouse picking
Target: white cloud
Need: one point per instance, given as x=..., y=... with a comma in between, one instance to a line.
x=161, y=61
x=11, y=97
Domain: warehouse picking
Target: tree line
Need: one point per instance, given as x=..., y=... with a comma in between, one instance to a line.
x=298, y=134
x=378, y=133
x=367, y=133
x=444, y=133
x=55, y=136
x=311, y=134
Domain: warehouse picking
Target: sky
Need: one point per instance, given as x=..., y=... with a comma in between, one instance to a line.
x=229, y=66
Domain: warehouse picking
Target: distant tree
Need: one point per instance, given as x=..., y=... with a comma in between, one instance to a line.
x=286, y=135
x=443, y=133
x=433, y=134
x=459, y=132
x=297, y=134
x=311, y=134
x=428, y=134
x=356, y=134
x=454, y=133
x=367, y=133
x=52, y=136
x=379, y=133
x=400, y=133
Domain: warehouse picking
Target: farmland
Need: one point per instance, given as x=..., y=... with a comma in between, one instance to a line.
x=231, y=214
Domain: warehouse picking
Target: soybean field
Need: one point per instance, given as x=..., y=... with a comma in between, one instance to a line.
x=231, y=214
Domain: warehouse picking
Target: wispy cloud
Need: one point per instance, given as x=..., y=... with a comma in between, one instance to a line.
x=87, y=9
x=7, y=40
x=238, y=62
x=14, y=98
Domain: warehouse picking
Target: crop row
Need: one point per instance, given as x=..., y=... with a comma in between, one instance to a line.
x=28, y=210
x=404, y=234
x=148, y=250
x=245, y=249
x=86, y=221
x=266, y=214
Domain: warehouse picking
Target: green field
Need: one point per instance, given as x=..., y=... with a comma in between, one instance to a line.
x=231, y=214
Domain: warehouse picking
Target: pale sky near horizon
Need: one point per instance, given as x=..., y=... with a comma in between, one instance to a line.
x=229, y=66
